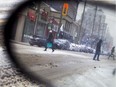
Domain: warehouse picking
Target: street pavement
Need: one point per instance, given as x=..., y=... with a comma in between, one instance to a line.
x=67, y=68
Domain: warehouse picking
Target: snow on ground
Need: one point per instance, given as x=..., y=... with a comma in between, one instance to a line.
x=41, y=51
x=10, y=76
x=98, y=75
x=4, y=60
x=93, y=78
x=1, y=49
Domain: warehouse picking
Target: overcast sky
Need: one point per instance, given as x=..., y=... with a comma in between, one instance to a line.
x=110, y=19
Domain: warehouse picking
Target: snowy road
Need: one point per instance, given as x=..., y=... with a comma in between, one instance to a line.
x=66, y=68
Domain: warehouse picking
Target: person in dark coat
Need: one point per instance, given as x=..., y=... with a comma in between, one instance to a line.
x=98, y=50
x=112, y=53
x=50, y=39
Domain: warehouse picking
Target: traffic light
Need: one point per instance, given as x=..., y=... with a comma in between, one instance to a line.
x=65, y=9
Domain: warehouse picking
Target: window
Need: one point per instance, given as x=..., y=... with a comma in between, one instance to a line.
x=40, y=29
x=28, y=30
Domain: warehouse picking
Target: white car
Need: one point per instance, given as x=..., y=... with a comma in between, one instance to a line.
x=73, y=47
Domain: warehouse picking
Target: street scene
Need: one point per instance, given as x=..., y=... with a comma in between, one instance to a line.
x=65, y=68
x=68, y=43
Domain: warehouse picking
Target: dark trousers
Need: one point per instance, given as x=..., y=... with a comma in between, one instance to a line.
x=97, y=53
x=111, y=55
x=51, y=43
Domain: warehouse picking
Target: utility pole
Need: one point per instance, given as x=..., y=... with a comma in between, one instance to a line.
x=60, y=22
x=103, y=30
x=80, y=30
x=94, y=20
x=99, y=29
x=64, y=12
x=37, y=16
x=93, y=23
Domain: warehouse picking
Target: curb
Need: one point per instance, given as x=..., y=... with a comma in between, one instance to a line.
x=22, y=43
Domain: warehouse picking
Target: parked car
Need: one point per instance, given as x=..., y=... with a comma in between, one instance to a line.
x=73, y=47
x=84, y=48
x=37, y=40
x=41, y=41
x=58, y=44
x=66, y=44
x=105, y=53
x=78, y=47
x=89, y=50
x=62, y=44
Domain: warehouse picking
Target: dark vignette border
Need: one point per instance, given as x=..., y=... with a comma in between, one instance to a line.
x=8, y=33
x=7, y=36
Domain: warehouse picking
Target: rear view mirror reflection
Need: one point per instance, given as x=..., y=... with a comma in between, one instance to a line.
x=48, y=41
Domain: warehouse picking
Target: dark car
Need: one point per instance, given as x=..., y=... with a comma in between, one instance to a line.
x=58, y=44
x=62, y=44
x=37, y=40
x=41, y=41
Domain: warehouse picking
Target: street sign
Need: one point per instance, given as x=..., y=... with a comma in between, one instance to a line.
x=65, y=9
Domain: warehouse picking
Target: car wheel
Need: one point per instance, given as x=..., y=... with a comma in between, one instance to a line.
x=39, y=45
x=31, y=44
x=62, y=48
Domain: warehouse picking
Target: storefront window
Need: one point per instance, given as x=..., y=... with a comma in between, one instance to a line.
x=55, y=28
x=28, y=30
x=44, y=14
x=49, y=26
x=40, y=29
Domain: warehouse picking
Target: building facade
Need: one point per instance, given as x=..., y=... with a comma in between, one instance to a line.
x=32, y=22
x=94, y=26
x=38, y=22
x=73, y=5
x=68, y=22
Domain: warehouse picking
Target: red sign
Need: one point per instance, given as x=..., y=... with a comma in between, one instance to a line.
x=32, y=15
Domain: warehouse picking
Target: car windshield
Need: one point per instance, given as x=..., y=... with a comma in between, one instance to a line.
x=57, y=41
x=37, y=36
x=62, y=40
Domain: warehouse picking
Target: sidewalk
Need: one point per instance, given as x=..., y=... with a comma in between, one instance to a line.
x=17, y=42
x=1, y=48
